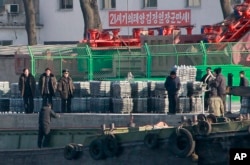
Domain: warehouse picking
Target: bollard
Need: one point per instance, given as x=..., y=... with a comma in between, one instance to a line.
x=112, y=126
x=194, y=119
x=241, y=117
x=103, y=127
x=183, y=119
x=131, y=122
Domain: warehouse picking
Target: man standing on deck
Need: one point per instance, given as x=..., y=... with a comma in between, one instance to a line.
x=220, y=84
x=243, y=81
x=27, y=87
x=206, y=79
x=172, y=85
x=44, y=125
x=47, y=86
x=66, y=88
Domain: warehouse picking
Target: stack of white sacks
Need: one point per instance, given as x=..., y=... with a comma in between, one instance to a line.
x=187, y=75
x=119, y=96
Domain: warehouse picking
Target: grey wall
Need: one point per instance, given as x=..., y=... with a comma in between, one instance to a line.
x=7, y=69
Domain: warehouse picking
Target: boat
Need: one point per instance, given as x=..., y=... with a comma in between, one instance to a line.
x=191, y=142
x=110, y=57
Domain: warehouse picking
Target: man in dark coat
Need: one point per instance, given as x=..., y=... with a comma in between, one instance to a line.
x=172, y=85
x=44, y=125
x=220, y=84
x=206, y=79
x=66, y=89
x=47, y=86
x=27, y=87
x=243, y=81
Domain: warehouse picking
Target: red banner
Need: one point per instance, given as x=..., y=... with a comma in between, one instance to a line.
x=150, y=18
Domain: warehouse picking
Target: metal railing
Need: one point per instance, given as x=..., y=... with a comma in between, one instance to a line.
x=145, y=62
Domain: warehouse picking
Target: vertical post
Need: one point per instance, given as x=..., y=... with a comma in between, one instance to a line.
x=229, y=84
x=203, y=47
x=90, y=65
x=203, y=100
x=177, y=55
x=119, y=63
x=149, y=61
x=32, y=68
x=230, y=52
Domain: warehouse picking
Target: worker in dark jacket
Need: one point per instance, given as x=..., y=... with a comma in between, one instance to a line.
x=47, y=86
x=172, y=85
x=27, y=87
x=243, y=81
x=44, y=125
x=66, y=89
x=220, y=84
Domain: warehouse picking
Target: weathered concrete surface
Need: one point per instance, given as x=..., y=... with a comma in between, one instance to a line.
x=7, y=69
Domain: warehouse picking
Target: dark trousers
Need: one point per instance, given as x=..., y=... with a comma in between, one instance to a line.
x=191, y=103
x=172, y=103
x=28, y=104
x=47, y=99
x=66, y=105
x=206, y=100
x=43, y=138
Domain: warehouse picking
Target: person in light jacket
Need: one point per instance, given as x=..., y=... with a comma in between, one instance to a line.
x=206, y=79
x=216, y=106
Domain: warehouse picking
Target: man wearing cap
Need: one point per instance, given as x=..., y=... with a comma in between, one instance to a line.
x=66, y=88
x=172, y=85
x=47, y=86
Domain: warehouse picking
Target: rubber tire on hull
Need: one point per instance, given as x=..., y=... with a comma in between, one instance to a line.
x=182, y=144
x=204, y=128
x=110, y=145
x=151, y=140
x=212, y=118
x=201, y=117
x=72, y=151
x=96, y=149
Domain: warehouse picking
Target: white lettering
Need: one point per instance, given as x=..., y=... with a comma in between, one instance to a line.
x=240, y=156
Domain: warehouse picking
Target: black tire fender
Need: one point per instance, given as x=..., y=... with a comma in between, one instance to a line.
x=201, y=117
x=151, y=140
x=73, y=151
x=182, y=143
x=96, y=149
x=110, y=145
x=204, y=128
x=212, y=118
